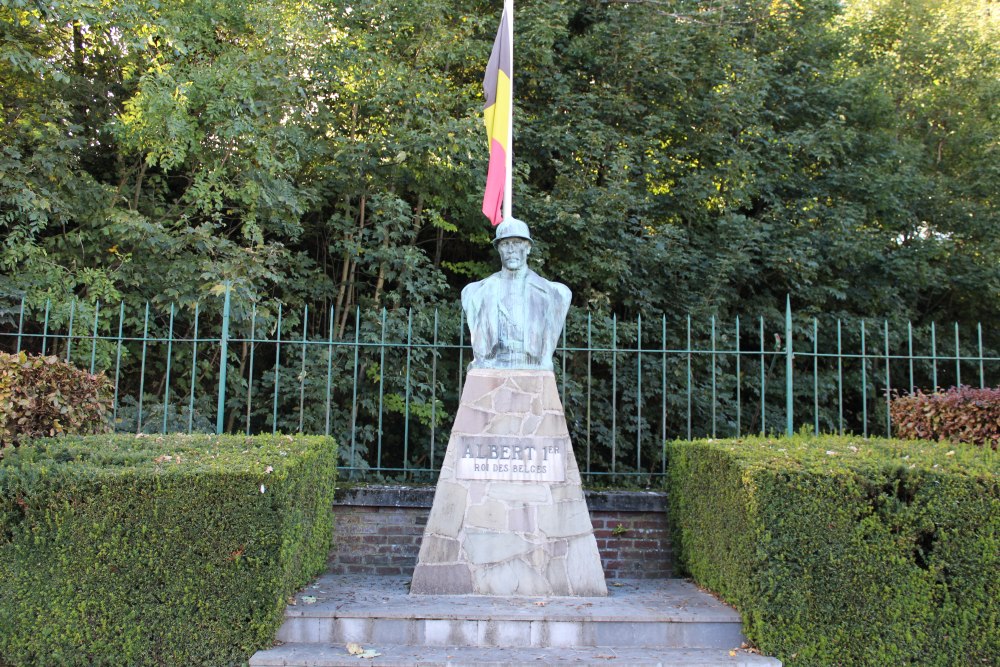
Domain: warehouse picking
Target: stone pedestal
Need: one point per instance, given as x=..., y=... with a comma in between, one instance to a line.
x=509, y=515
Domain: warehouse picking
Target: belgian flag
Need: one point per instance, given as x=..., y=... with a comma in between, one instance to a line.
x=498, y=86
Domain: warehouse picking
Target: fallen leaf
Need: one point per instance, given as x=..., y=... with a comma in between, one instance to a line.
x=732, y=653
x=361, y=652
x=951, y=453
x=162, y=459
x=269, y=469
x=541, y=603
x=311, y=599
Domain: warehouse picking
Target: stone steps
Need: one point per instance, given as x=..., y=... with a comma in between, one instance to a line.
x=327, y=655
x=641, y=622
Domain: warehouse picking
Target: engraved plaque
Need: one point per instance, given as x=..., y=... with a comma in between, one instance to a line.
x=512, y=458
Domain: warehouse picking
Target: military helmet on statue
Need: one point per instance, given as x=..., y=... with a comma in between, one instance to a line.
x=512, y=228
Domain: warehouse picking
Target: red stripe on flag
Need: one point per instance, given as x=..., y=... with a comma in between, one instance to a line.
x=498, y=89
x=496, y=177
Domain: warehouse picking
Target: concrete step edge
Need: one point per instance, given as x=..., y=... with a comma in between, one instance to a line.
x=522, y=633
x=390, y=655
x=414, y=611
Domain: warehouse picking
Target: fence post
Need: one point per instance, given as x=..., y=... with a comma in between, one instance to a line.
x=20, y=329
x=223, y=357
x=789, y=356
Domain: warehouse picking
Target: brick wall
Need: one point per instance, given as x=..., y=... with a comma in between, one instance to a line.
x=379, y=530
x=633, y=545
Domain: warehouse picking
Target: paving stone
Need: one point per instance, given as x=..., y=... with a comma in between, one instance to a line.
x=567, y=492
x=504, y=633
x=477, y=491
x=479, y=384
x=344, y=630
x=491, y=515
x=484, y=403
x=561, y=634
x=564, y=519
x=519, y=491
x=550, y=396
x=537, y=407
x=451, y=632
x=328, y=655
x=539, y=559
x=558, y=548
x=555, y=572
x=483, y=547
x=472, y=421
x=516, y=401
x=529, y=424
x=503, y=424
x=453, y=579
x=396, y=631
x=448, y=511
x=303, y=630
x=553, y=424
x=434, y=549
x=641, y=622
x=586, y=577
x=529, y=384
x=521, y=519
x=514, y=577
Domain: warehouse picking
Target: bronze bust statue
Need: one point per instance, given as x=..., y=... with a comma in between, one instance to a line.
x=515, y=316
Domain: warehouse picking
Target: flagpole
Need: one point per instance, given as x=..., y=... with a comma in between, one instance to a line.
x=508, y=7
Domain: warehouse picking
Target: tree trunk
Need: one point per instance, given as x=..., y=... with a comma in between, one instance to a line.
x=78, y=47
x=437, y=248
x=350, y=274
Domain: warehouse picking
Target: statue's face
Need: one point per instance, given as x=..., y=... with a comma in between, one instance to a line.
x=513, y=253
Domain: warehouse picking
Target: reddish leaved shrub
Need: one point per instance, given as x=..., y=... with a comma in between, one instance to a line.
x=45, y=396
x=959, y=414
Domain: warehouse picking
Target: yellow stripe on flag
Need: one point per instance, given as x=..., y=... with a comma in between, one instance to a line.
x=497, y=115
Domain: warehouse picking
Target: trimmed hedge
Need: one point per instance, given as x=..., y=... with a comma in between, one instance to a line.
x=172, y=550
x=959, y=414
x=844, y=551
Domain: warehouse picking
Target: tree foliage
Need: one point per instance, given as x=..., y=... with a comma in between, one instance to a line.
x=672, y=157
x=687, y=156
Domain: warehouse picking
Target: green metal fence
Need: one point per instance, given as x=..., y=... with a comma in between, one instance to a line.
x=387, y=383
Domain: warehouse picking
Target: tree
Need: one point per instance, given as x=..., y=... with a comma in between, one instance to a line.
x=673, y=158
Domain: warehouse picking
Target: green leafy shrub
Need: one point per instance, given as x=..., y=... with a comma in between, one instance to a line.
x=960, y=414
x=45, y=396
x=144, y=550
x=844, y=551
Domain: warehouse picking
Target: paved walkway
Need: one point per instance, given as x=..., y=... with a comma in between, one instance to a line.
x=664, y=622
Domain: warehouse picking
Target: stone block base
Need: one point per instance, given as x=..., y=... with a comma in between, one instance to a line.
x=509, y=515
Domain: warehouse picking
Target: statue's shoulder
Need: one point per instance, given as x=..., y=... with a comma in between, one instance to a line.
x=558, y=289
x=565, y=294
x=471, y=290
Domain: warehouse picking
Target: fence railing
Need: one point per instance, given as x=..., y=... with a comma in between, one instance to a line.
x=387, y=383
